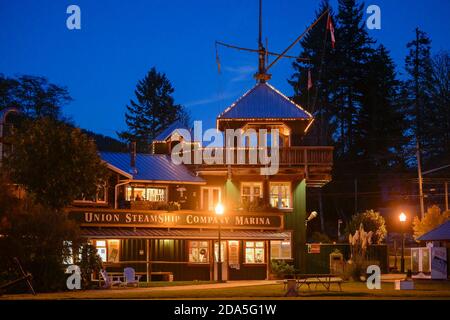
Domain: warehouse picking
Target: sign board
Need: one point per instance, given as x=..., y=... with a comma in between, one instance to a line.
x=314, y=248
x=155, y=219
x=439, y=263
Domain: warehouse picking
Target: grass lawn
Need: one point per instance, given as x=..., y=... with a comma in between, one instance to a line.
x=424, y=290
x=171, y=283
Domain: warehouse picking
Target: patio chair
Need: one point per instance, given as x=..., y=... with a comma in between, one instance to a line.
x=131, y=278
x=110, y=280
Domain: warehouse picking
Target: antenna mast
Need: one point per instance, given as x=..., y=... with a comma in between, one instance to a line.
x=261, y=75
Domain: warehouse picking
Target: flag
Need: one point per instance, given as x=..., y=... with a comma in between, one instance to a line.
x=331, y=28
x=217, y=59
x=310, y=83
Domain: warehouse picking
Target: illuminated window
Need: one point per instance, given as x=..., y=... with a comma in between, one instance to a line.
x=280, y=249
x=254, y=252
x=198, y=252
x=154, y=194
x=108, y=250
x=251, y=191
x=280, y=195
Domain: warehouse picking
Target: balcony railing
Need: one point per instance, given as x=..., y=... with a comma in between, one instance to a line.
x=288, y=156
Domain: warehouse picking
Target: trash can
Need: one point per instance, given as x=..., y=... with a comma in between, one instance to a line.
x=336, y=262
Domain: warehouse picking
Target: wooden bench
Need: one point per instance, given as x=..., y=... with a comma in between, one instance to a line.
x=326, y=280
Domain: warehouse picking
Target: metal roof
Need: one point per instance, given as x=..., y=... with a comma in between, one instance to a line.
x=181, y=234
x=149, y=167
x=264, y=102
x=166, y=133
x=441, y=233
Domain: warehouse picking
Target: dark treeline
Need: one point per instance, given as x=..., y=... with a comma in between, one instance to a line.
x=373, y=117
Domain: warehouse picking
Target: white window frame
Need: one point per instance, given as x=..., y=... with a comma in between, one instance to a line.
x=146, y=187
x=289, y=184
x=254, y=247
x=210, y=197
x=252, y=193
x=279, y=244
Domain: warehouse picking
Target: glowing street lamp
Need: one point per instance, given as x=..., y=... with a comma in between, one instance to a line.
x=312, y=216
x=402, y=218
x=219, y=212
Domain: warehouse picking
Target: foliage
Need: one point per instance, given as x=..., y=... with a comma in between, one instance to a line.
x=370, y=221
x=90, y=262
x=105, y=143
x=39, y=237
x=319, y=237
x=379, y=128
x=359, y=243
x=34, y=96
x=281, y=268
x=153, y=110
x=433, y=218
x=55, y=162
x=257, y=205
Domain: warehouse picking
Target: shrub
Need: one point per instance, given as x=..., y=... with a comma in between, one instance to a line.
x=281, y=268
x=431, y=220
x=371, y=221
x=90, y=262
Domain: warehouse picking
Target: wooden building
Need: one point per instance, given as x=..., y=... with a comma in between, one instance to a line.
x=158, y=217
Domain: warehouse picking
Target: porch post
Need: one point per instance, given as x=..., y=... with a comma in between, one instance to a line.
x=149, y=278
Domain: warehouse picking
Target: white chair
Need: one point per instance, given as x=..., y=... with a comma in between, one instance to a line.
x=131, y=278
x=110, y=280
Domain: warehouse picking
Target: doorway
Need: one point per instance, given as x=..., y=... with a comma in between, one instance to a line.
x=224, y=258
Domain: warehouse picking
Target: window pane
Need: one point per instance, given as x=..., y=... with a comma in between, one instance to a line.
x=259, y=255
x=198, y=252
x=286, y=249
x=113, y=250
x=100, y=243
x=275, y=252
x=249, y=255
x=102, y=253
x=249, y=244
x=260, y=244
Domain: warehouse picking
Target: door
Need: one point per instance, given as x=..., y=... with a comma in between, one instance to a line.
x=224, y=258
x=210, y=197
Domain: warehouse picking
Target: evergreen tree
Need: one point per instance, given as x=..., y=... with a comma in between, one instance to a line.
x=153, y=110
x=317, y=58
x=418, y=87
x=353, y=50
x=439, y=144
x=380, y=127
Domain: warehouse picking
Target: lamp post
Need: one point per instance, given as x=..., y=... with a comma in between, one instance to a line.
x=219, y=211
x=402, y=218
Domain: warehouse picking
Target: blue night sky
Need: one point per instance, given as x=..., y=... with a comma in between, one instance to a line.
x=120, y=40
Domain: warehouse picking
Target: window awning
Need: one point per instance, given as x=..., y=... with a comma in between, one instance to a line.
x=153, y=233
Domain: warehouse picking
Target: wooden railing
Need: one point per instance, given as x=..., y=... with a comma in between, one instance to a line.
x=307, y=155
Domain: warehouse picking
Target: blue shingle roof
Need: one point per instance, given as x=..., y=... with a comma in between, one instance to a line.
x=264, y=102
x=440, y=233
x=151, y=167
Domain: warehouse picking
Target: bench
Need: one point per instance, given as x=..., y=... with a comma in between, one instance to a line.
x=326, y=280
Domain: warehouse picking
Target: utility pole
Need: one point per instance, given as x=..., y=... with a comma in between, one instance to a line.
x=418, y=118
x=419, y=171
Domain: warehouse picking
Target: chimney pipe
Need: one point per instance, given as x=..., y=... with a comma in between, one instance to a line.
x=133, y=156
